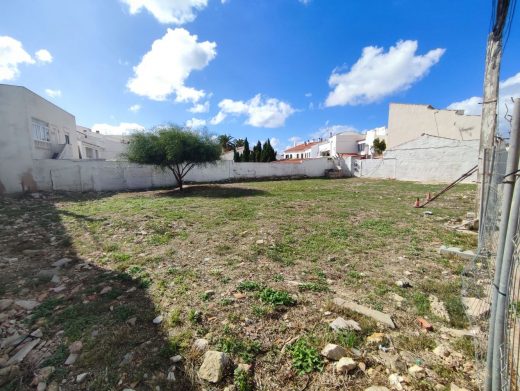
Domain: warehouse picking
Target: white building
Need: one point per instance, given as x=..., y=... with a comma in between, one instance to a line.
x=94, y=145
x=345, y=143
x=32, y=128
x=366, y=146
x=307, y=150
x=407, y=122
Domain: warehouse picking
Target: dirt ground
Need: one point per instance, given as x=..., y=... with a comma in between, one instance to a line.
x=251, y=268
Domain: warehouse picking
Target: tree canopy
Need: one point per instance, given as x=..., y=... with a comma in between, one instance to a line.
x=265, y=153
x=174, y=148
x=379, y=146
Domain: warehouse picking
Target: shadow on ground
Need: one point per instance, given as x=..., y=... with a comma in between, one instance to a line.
x=213, y=191
x=74, y=300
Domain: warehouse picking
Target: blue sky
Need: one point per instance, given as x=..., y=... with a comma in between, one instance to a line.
x=282, y=69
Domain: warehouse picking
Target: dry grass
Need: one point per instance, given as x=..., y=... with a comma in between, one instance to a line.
x=309, y=240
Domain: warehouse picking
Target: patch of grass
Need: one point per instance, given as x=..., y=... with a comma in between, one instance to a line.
x=242, y=380
x=249, y=286
x=245, y=349
x=57, y=358
x=194, y=316
x=314, y=287
x=305, y=358
x=175, y=318
x=276, y=298
x=45, y=309
x=465, y=345
x=123, y=312
x=262, y=310
x=348, y=339
x=415, y=343
x=422, y=303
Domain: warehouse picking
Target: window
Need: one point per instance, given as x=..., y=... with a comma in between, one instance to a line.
x=67, y=139
x=361, y=147
x=40, y=130
x=89, y=152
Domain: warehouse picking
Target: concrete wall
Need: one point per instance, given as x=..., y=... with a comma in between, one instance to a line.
x=96, y=175
x=18, y=106
x=425, y=159
x=407, y=122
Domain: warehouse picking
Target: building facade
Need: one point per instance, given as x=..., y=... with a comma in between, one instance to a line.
x=32, y=129
x=407, y=122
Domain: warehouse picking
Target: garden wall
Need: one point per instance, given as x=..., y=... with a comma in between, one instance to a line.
x=98, y=175
x=425, y=159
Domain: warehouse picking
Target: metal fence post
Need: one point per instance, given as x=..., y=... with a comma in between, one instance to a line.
x=508, y=228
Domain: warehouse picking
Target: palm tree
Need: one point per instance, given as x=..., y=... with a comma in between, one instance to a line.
x=226, y=142
x=239, y=142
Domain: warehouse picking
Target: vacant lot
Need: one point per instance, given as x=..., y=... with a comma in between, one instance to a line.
x=250, y=267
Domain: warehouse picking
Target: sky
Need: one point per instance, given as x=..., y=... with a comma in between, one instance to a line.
x=288, y=70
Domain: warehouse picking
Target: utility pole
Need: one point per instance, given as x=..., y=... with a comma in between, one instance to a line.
x=489, y=109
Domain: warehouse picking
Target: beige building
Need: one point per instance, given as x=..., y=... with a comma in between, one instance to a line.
x=406, y=122
x=33, y=129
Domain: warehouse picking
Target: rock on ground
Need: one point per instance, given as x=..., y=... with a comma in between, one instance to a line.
x=345, y=364
x=377, y=388
x=213, y=366
x=333, y=352
x=341, y=324
x=201, y=344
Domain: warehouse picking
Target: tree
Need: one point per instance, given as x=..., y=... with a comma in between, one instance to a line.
x=257, y=152
x=236, y=156
x=268, y=152
x=239, y=142
x=246, y=155
x=226, y=142
x=174, y=148
x=379, y=146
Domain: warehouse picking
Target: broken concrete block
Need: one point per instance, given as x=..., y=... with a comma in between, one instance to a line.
x=24, y=351
x=360, y=309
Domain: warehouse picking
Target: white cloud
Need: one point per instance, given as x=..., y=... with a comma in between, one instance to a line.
x=218, y=118
x=274, y=142
x=308, y=94
x=134, y=108
x=12, y=54
x=195, y=123
x=378, y=74
x=53, y=93
x=326, y=131
x=260, y=111
x=509, y=88
x=121, y=129
x=168, y=11
x=43, y=56
x=165, y=68
x=199, y=108
x=470, y=106
x=305, y=2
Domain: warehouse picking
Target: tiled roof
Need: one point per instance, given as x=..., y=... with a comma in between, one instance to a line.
x=302, y=147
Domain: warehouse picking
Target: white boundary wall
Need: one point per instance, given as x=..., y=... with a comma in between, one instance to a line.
x=97, y=175
x=425, y=159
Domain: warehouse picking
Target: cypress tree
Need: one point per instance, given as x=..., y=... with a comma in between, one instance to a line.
x=258, y=152
x=246, y=155
x=236, y=156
